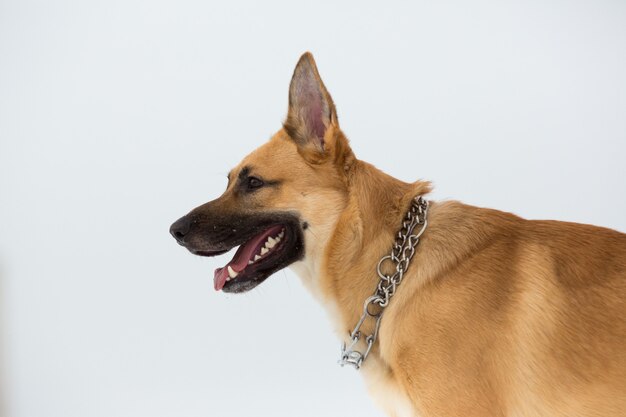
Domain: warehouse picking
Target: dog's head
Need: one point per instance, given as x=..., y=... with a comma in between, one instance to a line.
x=283, y=199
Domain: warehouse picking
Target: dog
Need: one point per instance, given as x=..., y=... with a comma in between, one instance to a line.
x=495, y=315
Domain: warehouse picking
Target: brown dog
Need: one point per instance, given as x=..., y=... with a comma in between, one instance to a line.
x=496, y=315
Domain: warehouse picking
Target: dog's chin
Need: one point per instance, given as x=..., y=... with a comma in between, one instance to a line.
x=264, y=251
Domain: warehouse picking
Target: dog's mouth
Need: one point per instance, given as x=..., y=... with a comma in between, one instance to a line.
x=266, y=252
x=267, y=243
x=262, y=251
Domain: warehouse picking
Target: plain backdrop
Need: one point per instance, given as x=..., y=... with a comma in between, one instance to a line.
x=117, y=117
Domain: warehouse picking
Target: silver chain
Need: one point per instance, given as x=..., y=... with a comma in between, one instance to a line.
x=401, y=253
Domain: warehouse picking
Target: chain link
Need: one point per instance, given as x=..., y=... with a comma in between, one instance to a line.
x=401, y=254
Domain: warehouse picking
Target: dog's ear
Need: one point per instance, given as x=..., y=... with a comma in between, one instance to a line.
x=312, y=118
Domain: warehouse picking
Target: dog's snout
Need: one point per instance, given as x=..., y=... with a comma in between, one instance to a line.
x=180, y=228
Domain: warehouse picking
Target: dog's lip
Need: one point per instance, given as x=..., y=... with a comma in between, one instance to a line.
x=209, y=253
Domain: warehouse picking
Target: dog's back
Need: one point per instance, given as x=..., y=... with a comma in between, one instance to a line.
x=513, y=317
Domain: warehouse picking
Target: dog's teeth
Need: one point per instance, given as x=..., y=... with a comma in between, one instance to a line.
x=250, y=262
x=277, y=239
x=271, y=242
x=264, y=250
x=231, y=272
x=281, y=234
x=227, y=278
x=256, y=258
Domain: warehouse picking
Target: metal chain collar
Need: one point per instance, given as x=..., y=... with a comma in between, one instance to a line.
x=401, y=253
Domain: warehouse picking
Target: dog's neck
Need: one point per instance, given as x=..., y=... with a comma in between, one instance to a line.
x=339, y=268
x=377, y=195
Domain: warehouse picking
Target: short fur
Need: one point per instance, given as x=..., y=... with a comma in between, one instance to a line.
x=497, y=316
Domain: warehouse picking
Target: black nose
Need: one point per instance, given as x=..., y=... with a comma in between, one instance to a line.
x=180, y=228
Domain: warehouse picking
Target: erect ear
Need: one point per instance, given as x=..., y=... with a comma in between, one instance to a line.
x=311, y=110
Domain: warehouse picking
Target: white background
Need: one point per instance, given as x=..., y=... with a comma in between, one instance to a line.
x=117, y=117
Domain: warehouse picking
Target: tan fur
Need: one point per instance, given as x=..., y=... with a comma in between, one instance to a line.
x=497, y=316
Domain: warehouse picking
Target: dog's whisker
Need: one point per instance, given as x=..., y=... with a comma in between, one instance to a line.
x=312, y=232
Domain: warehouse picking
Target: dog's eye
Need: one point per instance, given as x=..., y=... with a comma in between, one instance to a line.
x=254, y=183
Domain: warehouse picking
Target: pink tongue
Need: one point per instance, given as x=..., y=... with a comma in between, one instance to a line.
x=219, y=278
x=244, y=254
